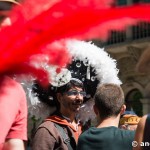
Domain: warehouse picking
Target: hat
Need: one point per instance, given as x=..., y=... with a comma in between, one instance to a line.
x=129, y=119
x=90, y=64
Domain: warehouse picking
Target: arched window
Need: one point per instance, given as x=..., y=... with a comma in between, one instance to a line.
x=133, y=102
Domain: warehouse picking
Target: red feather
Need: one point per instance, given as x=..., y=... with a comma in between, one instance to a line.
x=39, y=23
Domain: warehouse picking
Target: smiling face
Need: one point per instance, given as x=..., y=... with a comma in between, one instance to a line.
x=71, y=100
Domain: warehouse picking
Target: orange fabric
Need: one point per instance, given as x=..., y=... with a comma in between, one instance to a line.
x=63, y=121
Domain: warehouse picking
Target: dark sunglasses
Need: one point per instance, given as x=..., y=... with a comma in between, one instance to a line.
x=75, y=93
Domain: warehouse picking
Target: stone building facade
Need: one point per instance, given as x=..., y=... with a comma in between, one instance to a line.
x=126, y=47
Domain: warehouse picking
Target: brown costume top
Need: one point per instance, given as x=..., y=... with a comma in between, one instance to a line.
x=48, y=137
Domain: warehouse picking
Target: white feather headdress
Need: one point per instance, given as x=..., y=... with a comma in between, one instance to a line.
x=83, y=54
x=105, y=66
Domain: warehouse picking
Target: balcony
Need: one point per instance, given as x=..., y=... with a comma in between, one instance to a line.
x=140, y=31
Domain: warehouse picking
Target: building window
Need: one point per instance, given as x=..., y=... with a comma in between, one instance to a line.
x=117, y=37
x=121, y=2
x=133, y=102
x=135, y=1
x=146, y=1
x=142, y=30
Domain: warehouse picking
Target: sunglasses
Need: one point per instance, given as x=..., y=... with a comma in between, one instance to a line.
x=75, y=93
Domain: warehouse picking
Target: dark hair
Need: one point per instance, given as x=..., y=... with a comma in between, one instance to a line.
x=109, y=99
x=73, y=83
x=48, y=95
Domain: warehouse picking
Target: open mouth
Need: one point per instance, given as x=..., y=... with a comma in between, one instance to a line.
x=77, y=105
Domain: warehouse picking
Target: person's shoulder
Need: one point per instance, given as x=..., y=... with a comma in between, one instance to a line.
x=6, y=80
x=143, y=121
x=12, y=89
x=126, y=133
x=46, y=124
x=88, y=131
x=117, y=131
x=10, y=83
x=142, y=124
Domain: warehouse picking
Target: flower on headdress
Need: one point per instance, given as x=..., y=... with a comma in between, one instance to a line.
x=61, y=78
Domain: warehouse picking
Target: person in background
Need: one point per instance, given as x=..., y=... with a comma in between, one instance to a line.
x=142, y=138
x=109, y=106
x=129, y=121
x=13, y=104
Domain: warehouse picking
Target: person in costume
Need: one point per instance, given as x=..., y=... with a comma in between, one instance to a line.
x=62, y=129
x=129, y=121
x=13, y=107
x=109, y=105
x=75, y=84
